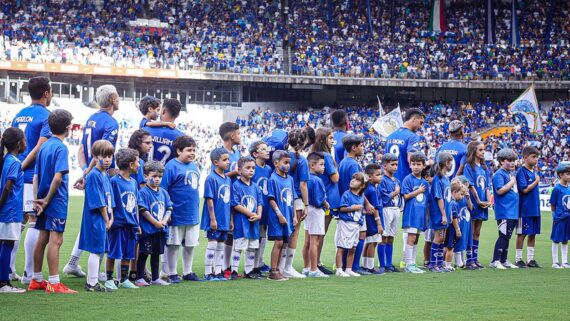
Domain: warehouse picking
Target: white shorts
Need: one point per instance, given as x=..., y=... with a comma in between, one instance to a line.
x=29, y=199
x=391, y=220
x=429, y=235
x=411, y=230
x=10, y=231
x=187, y=233
x=244, y=243
x=315, y=221
x=373, y=239
x=363, y=227
x=346, y=236
x=298, y=205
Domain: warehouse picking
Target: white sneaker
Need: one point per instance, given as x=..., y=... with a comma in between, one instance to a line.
x=163, y=276
x=102, y=277
x=352, y=273
x=76, y=271
x=10, y=289
x=557, y=266
x=342, y=274
x=497, y=265
x=26, y=280
x=292, y=274
x=15, y=277
x=305, y=271
x=159, y=281
x=316, y=274
x=509, y=265
x=566, y=265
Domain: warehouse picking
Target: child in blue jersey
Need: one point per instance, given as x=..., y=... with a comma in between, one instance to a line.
x=247, y=204
x=282, y=219
x=315, y=221
x=458, y=232
x=155, y=209
x=428, y=175
x=415, y=191
x=51, y=176
x=11, y=202
x=141, y=141
x=216, y=214
x=506, y=197
x=150, y=107
x=260, y=151
x=123, y=235
x=476, y=171
x=560, y=205
x=439, y=214
x=181, y=181
x=350, y=220
x=163, y=136
x=374, y=228
x=97, y=215
x=529, y=207
x=392, y=202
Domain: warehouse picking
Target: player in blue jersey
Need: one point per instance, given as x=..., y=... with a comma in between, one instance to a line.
x=464, y=223
x=427, y=175
x=390, y=190
x=506, y=197
x=163, y=136
x=51, y=177
x=350, y=220
x=439, y=214
x=216, y=217
x=33, y=121
x=374, y=228
x=11, y=203
x=454, y=236
x=339, y=119
x=560, y=206
x=282, y=219
x=324, y=143
x=181, y=180
x=456, y=148
x=260, y=151
x=529, y=207
x=415, y=191
x=141, y=141
x=476, y=171
x=155, y=209
x=150, y=108
x=247, y=204
x=97, y=215
x=124, y=232
x=404, y=140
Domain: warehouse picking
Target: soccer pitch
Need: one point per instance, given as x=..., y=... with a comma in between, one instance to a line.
x=529, y=294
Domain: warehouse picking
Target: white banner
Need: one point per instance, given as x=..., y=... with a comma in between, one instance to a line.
x=545, y=202
x=527, y=106
x=388, y=123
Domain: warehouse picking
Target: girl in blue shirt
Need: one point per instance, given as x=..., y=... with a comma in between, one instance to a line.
x=560, y=204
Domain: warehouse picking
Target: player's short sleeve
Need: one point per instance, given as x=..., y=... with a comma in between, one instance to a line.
x=235, y=195
x=469, y=174
x=498, y=181
x=372, y=196
x=273, y=189
x=407, y=186
x=439, y=190
x=554, y=196
x=95, y=192
x=522, y=182
x=413, y=141
x=345, y=199
x=210, y=188
x=45, y=131
x=110, y=134
x=455, y=210
x=330, y=169
x=143, y=200
x=61, y=159
x=13, y=170
x=353, y=168
x=303, y=169
x=167, y=177
x=259, y=196
x=167, y=199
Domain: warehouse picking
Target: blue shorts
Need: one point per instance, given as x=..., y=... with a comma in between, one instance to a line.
x=560, y=230
x=529, y=225
x=479, y=214
x=450, y=237
x=220, y=236
x=152, y=244
x=49, y=223
x=122, y=242
x=465, y=241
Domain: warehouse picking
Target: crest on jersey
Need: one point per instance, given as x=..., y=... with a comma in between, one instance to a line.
x=224, y=193
x=420, y=197
x=566, y=201
x=481, y=182
x=262, y=184
x=157, y=209
x=129, y=202
x=465, y=214
x=452, y=170
x=249, y=203
x=287, y=196
x=192, y=178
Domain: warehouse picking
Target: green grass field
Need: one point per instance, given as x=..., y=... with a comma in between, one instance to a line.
x=537, y=294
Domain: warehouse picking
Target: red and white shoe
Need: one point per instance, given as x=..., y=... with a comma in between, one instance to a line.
x=59, y=288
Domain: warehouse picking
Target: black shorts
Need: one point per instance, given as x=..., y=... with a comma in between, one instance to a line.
x=152, y=244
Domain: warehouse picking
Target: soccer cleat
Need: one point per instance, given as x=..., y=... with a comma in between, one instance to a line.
x=8, y=288
x=520, y=264
x=174, y=279
x=141, y=282
x=192, y=277
x=26, y=280
x=362, y=271
x=426, y=265
x=59, y=288
x=533, y=264
x=234, y=275
x=127, y=285
x=435, y=269
x=35, y=285
x=102, y=277
x=445, y=269
x=221, y=277
x=509, y=265
x=566, y=265
x=412, y=269
x=160, y=282
x=265, y=269
x=342, y=274
x=316, y=274
x=497, y=265
x=293, y=274
x=392, y=269
x=111, y=285
x=479, y=265
x=74, y=270
x=211, y=277
x=325, y=270
x=376, y=271
x=15, y=277
x=227, y=273
x=556, y=266
x=352, y=273
x=276, y=276
x=95, y=288
x=471, y=267
x=163, y=276
x=252, y=275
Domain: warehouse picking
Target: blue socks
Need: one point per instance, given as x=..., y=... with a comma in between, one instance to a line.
x=389, y=250
x=475, y=250
x=357, y=255
x=5, y=254
x=433, y=256
x=381, y=249
x=469, y=254
x=440, y=254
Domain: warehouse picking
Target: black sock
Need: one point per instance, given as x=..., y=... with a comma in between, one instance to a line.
x=132, y=275
x=154, y=266
x=124, y=273
x=109, y=275
x=141, y=263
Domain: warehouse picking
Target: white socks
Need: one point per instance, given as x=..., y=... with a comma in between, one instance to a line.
x=53, y=279
x=414, y=253
x=171, y=255
x=210, y=257
x=458, y=257
x=405, y=238
x=38, y=276
x=75, y=253
x=236, y=257
x=187, y=260
x=227, y=256
x=13, y=256
x=290, y=258
x=530, y=253
x=219, y=258
x=555, y=253
x=164, y=260
x=408, y=254
x=29, y=246
x=564, y=251
x=260, y=252
x=283, y=259
x=249, y=260
x=93, y=269
x=518, y=255
x=368, y=262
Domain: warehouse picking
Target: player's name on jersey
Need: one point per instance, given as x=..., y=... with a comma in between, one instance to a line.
x=162, y=140
x=24, y=119
x=396, y=141
x=451, y=151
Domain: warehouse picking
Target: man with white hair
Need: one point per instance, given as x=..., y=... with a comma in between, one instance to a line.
x=101, y=125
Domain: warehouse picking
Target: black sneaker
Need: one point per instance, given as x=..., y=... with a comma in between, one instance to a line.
x=520, y=265
x=479, y=265
x=192, y=277
x=259, y=272
x=533, y=264
x=392, y=269
x=252, y=275
x=94, y=288
x=324, y=269
x=234, y=275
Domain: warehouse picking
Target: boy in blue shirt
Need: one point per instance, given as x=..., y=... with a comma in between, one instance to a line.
x=374, y=228
x=506, y=207
x=560, y=205
x=123, y=235
x=97, y=215
x=392, y=202
x=529, y=207
x=415, y=191
x=247, y=205
x=454, y=232
x=282, y=220
x=150, y=107
x=181, y=181
x=155, y=208
x=216, y=214
x=465, y=241
x=50, y=182
x=260, y=151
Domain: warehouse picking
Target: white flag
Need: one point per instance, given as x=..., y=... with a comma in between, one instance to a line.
x=380, y=106
x=389, y=123
x=527, y=106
